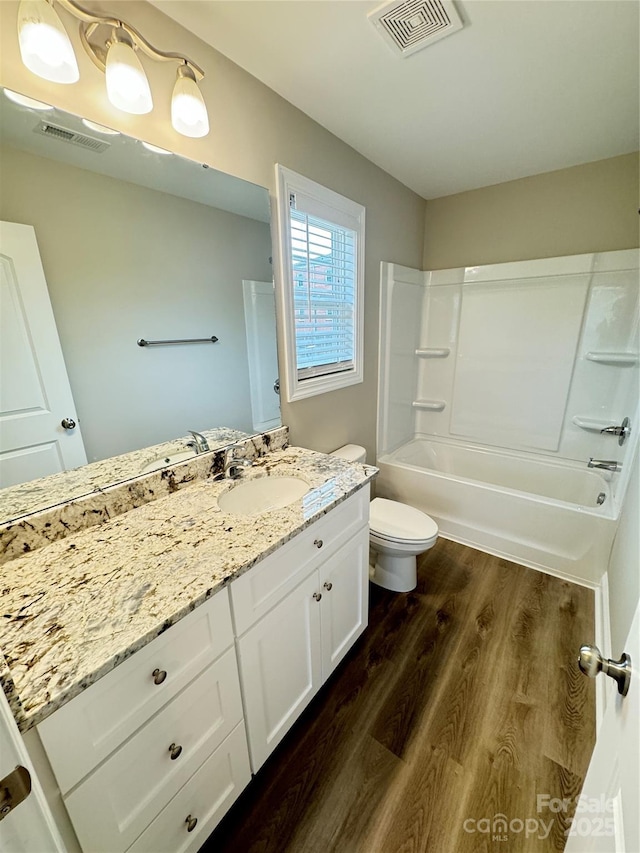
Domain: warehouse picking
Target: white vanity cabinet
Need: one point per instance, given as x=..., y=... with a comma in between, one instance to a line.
x=128, y=750
x=297, y=614
x=150, y=757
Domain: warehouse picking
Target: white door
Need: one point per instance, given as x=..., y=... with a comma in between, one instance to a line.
x=607, y=819
x=260, y=323
x=344, y=582
x=29, y=827
x=35, y=395
x=280, y=668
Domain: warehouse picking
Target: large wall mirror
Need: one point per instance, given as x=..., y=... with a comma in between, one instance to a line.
x=137, y=244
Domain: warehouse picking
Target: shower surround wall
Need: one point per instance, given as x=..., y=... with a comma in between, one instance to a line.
x=495, y=382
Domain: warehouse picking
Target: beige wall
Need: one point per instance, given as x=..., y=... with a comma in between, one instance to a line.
x=252, y=128
x=124, y=262
x=589, y=208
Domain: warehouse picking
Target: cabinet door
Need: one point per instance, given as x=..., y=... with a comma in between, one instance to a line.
x=344, y=582
x=280, y=668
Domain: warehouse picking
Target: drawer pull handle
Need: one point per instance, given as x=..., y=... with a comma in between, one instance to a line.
x=159, y=676
x=317, y=596
x=175, y=750
x=191, y=822
x=318, y=543
x=328, y=586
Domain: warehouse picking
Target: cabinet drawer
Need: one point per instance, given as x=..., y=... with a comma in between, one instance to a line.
x=206, y=798
x=258, y=590
x=86, y=730
x=119, y=800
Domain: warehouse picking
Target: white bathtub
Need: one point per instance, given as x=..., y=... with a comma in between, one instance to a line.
x=539, y=513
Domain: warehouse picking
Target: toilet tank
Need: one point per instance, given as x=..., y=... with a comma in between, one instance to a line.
x=351, y=452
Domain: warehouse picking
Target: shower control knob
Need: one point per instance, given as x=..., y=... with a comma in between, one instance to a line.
x=591, y=663
x=68, y=423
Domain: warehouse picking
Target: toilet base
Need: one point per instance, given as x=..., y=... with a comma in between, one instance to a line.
x=399, y=574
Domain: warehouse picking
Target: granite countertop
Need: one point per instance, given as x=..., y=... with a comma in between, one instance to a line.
x=75, y=609
x=34, y=495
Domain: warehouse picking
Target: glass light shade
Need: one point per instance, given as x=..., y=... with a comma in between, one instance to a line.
x=188, y=111
x=155, y=148
x=127, y=85
x=99, y=128
x=25, y=101
x=44, y=44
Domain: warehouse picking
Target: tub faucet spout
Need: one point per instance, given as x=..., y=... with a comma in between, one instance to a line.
x=604, y=464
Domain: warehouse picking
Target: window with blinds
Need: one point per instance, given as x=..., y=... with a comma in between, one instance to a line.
x=321, y=245
x=323, y=259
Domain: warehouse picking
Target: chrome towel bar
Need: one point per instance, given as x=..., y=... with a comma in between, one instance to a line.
x=142, y=343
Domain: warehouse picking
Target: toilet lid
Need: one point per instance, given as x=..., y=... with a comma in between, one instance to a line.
x=400, y=521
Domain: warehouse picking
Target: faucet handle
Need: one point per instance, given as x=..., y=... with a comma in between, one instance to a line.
x=623, y=431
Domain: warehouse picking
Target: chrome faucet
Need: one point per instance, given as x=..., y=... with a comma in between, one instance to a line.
x=622, y=431
x=604, y=464
x=199, y=443
x=233, y=464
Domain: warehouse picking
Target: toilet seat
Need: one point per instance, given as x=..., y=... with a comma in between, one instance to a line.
x=391, y=521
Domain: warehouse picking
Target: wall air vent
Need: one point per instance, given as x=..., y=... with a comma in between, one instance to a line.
x=410, y=25
x=63, y=134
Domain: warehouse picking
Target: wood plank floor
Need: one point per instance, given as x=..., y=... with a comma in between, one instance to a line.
x=462, y=701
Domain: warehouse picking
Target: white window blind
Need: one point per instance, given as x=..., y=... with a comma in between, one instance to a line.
x=324, y=289
x=321, y=285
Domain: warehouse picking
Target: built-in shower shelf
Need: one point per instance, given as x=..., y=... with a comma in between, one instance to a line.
x=433, y=352
x=623, y=359
x=429, y=405
x=591, y=424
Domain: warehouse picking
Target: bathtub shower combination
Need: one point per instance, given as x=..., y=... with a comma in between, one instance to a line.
x=495, y=384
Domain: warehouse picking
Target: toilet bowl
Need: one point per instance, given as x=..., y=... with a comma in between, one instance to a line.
x=397, y=534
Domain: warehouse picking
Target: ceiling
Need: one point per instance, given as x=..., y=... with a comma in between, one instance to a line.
x=527, y=86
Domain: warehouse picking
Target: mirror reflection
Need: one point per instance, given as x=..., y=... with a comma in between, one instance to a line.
x=105, y=242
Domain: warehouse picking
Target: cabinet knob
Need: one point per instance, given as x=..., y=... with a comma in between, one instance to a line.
x=317, y=596
x=175, y=750
x=318, y=543
x=159, y=676
x=328, y=586
x=191, y=822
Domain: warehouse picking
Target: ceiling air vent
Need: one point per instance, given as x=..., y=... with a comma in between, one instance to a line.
x=411, y=25
x=63, y=134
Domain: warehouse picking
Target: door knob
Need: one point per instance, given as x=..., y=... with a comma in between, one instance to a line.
x=276, y=386
x=68, y=423
x=591, y=663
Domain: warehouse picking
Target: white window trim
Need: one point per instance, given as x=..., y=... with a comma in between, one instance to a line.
x=345, y=212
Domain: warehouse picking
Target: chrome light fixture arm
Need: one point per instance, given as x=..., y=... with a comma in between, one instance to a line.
x=89, y=23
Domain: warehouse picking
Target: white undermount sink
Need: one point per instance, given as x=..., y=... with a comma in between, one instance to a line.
x=167, y=461
x=251, y=497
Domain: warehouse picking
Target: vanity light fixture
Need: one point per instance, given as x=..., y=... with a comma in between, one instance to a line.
x=113, y=46
x=24, y=101
x=45, y=46
x=99, y=128
x=155, y=148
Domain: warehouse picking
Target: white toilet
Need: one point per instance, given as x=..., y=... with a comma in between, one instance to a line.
x=398, y=533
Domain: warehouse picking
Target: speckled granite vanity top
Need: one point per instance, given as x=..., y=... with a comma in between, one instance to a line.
x=75, y=609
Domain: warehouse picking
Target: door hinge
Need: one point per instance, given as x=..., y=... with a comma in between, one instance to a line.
x=14, y=788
